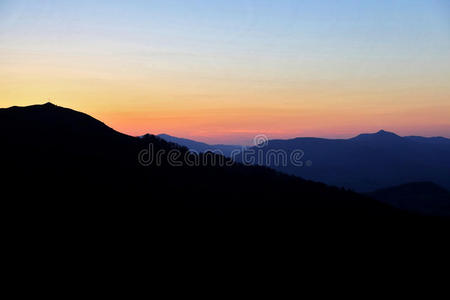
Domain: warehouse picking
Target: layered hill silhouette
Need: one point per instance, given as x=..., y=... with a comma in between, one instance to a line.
x=423, y=197
x=366, y=162
x=60, y=163
x=202, y=147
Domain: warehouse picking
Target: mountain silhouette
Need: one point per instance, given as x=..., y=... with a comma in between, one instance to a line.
x=202, y=147
x=423, y=197
x=367, y=162
x=380, y=136
x=64, y=165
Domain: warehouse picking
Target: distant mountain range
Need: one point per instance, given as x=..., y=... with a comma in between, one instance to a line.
x=366, y=162
x=61, y=166
x=202, y=147
x=420, y=197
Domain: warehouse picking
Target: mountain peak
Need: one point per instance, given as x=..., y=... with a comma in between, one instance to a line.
x=146, y=136
x=381, y=131
x=382, y=134
x=46, y=105
x=45, y=117
x=385, y=133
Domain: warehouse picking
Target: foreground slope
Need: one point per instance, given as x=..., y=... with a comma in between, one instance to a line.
x=59, y=163
x=424, y=197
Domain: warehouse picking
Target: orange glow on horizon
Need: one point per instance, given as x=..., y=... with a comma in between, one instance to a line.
x=223, y=73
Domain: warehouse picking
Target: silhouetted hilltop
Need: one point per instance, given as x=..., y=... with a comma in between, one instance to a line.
x=48, y=117
x=65, y=164
x=380, y=136
x=423, y=197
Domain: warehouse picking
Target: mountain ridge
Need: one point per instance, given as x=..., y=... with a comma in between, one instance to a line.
x=95, y=171
x=368, y=161
x=224, y=149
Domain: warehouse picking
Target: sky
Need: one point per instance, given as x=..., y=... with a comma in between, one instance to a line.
x=225, y=71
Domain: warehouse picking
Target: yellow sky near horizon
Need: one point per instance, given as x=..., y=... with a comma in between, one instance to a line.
x=224, y=73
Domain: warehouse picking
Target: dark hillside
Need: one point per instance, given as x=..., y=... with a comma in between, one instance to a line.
x=59, y=163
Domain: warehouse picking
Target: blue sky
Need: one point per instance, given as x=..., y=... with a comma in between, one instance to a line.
x=171, y=58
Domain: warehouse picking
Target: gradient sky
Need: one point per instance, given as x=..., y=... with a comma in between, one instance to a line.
x=224, y=71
